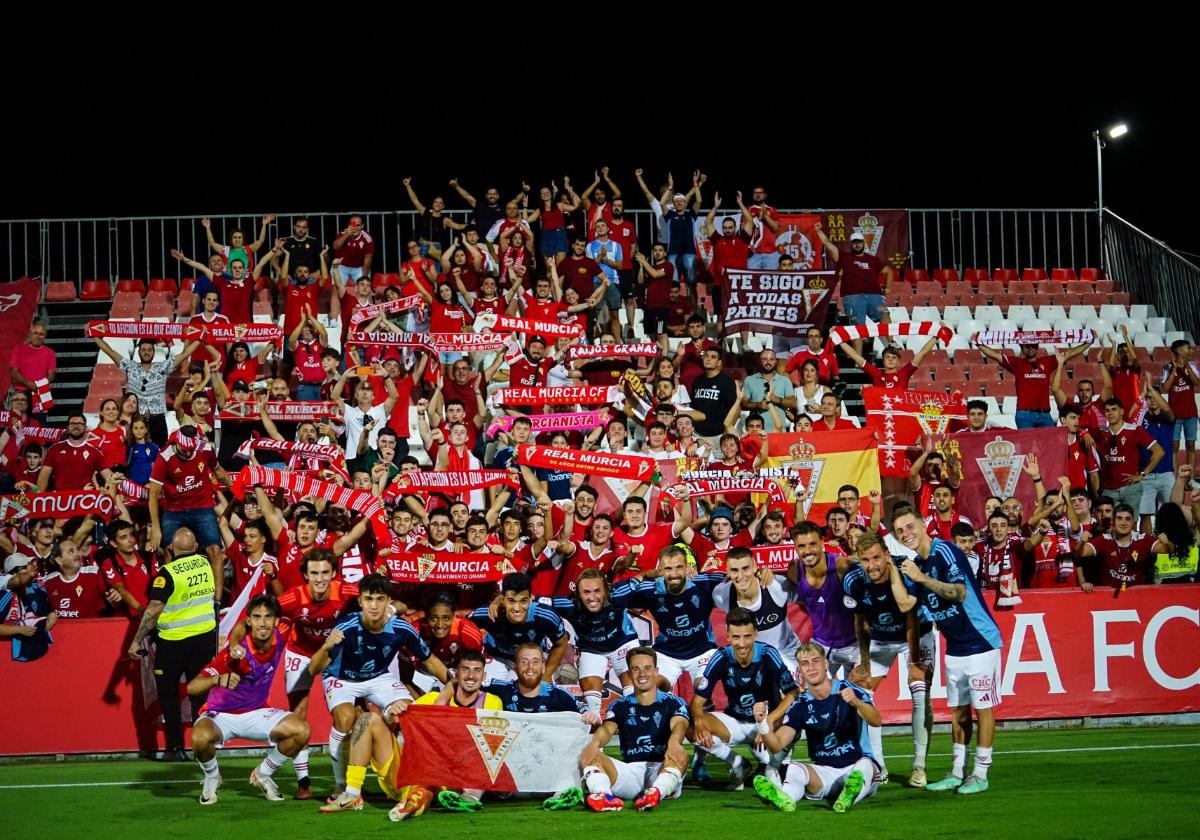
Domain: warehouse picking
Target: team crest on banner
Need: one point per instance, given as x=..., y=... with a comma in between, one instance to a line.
x=932, y=419
x=1001, y=467
x=803, y=460
x=872, y=232
x=425, y=566
x=493, y=738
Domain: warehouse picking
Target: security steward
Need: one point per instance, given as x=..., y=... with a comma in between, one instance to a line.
x=181, y=616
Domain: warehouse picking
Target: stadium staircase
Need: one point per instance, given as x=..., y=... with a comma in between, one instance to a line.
x=65, y=322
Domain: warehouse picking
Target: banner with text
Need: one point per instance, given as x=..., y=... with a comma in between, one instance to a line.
x=885, y=232
x=781, y=302
x=900, y=418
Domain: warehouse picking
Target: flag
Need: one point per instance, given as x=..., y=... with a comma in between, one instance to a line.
x=491, y=750
x=237, y=611
x=992, y=463
x=825, y=461
x=901, y=418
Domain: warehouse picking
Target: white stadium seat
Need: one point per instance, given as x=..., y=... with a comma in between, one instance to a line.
x=1155, y=325
x=956, y=314
x=1021, y=313
x=988, y=313
x=1147, y=340
x=1083, y=312
x=898, y=314
x=1113, y=312
x=926, y=313
x=1142, y=311
x=1052, y=312
x=1068, y=324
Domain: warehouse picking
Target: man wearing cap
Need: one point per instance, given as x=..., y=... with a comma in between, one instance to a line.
x=182, y=613
x=1033, y=375
x=859, y=272
x=182, y=498
x=26, y=616
x=680, y=223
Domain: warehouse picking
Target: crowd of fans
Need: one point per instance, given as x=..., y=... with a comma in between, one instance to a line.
x=549, y=255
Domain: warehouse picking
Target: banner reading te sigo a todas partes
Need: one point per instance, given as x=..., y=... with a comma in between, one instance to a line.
x=780, y=302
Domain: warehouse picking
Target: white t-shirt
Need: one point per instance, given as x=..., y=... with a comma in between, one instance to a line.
x=355, y=419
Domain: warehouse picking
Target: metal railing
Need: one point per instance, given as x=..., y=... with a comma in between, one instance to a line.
x=1153, y=272
x=118, y=248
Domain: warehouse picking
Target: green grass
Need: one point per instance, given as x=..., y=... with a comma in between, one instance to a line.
x=1065, y=783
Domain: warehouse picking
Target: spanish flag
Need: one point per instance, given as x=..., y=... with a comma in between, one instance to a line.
x=824, y=461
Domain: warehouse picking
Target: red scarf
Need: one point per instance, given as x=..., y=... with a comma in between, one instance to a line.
x=62, y=505
x=302, y=454
x=566, y=395
x=606, y=464
x=251, y=333
x=604, y=351
x=368, y=312
x=144, y=329
x=443, y=480
x=444, y=567
x=777, y=558
x=287, y=410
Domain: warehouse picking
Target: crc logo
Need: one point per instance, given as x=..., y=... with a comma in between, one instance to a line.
x=981, y=683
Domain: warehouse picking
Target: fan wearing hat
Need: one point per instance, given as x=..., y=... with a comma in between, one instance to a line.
x=22, y=597
x=860, y=271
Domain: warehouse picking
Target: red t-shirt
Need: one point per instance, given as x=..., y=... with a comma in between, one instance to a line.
x=595, y=212
x=729, y=252
x=1047, y=572
x=838, y=425
x=542, y=310
x=186, y=484
x=525, y=374
x=350, y=302
x=658, y=289
x=246, y=371
x=1182, y=396
x=73, y=465
x=1127, y=386
x=354, y=250
x=111, y=446
x=307, y=357
x=1129, y=566
x=464, y=635
x=136, y=578
x=579, y=273
x=624, y=234
x=306, y=623
x=679, y=312
x=860, y=273
x=936, y=527
x=82, y=597
x=1033, y=380
x=827, y=366
x=703, y=546
x=645, y=549
x=496, y=306
x=236, y=297
x=1080, y=462
x=896, y=379
x=766, y=243
x=243, y=570
x=1119, y=454
x=200, y=356
x=579, y=561
x=296, y=298
x=421, y=269
x=446, y=319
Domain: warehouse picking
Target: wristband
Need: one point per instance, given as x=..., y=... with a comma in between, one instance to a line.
x=761, y=728
x=1037, y=480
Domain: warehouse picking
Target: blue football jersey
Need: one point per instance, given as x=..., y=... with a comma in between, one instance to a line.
x=645, y=730
x=603, y=631
x=876, y=604
x=968, y=628
x=363, y=655
x=764, y=680
x=551, y=698
x=836, y=735
x=684, y=628
x=502, y=637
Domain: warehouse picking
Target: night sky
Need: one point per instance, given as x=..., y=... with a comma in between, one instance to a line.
x=187, y=120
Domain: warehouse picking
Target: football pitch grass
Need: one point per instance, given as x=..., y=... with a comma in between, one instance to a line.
x=1135, y=782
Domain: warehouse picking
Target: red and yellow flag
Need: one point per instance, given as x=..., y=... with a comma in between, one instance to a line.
x=825, y=461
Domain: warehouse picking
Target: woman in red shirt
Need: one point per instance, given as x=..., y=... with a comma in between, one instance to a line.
x=307, y=343
x=446, y=315
x=240, y=366
x=109, y=436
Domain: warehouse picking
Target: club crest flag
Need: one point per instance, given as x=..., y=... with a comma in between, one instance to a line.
x=824, y=461
x=992, y=463
x=901, y=418
x=491, y=750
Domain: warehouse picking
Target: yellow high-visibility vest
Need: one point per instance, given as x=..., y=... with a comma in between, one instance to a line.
x=189, y=610
x=1167, y=566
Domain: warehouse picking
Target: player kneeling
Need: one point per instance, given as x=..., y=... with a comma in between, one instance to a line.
x=651, y=724
x=834, y=715
x=238, y=682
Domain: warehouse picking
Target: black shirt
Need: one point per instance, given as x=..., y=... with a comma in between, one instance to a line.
x=306, y=252
x=714, y=396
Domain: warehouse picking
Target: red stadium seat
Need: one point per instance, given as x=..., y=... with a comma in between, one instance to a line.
x=1104, y=286
x=164, y=284
x=262, y=309
x=1032, y=275
x=96, y=290
x=1064, y=275
x=945, y=275
x=1005, y=275
x=938, y=361
x=59, y=290
x=1096, y=299
x=1048, y=288
x=1119, y=298
x=932, y=291
x=956, y=293
x=990, y=289
x=125, y=306
x=108, y=372
x=1091, y=275
x=975, y=276
x=1078, y=287
x=912, y=276
x=136, y=286
x=159, y=308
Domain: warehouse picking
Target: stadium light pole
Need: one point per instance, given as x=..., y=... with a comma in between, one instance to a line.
x=1115, y=132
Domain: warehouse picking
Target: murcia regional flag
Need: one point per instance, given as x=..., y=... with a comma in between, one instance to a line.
x=491, y=750
x=825, y=461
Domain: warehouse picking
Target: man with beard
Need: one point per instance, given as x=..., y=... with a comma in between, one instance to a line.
x=682, y=608
x=862, y=297
x=927, y=473
x=487, y=214
x=148, y=380
x=1033, y=376
x=818, y=582
x=888, y=627
x=768, y=388
x=518, y=620
x=306, y=525
x=750, y=672
x=945, y=516
x=826, y=359
x=950, y=593
x=72, y=463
